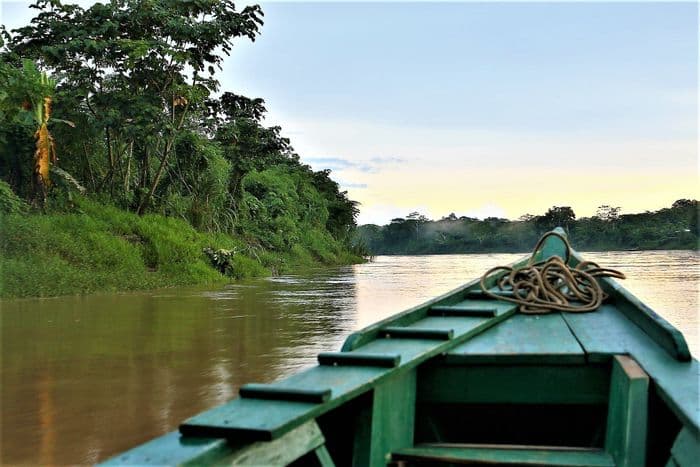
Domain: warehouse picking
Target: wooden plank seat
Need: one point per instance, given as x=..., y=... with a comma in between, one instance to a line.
x=441, y=453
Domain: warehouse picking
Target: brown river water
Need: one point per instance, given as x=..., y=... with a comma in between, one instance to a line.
x=83, y=378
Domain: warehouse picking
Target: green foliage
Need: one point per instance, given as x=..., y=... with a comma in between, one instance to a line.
x=196, y=187
x=10, y=203
x=103, y=248
x=557, y=216
x=234, y=263
x=670, y=228
x=100, y=248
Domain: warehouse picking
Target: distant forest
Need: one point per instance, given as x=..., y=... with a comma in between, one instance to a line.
x=669, y=228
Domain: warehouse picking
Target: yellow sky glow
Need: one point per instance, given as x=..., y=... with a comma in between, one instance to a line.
x=513, y=193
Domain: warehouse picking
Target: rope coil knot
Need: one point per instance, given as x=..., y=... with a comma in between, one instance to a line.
x=551, y=285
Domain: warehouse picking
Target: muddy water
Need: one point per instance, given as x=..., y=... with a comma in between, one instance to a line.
x=83, y=378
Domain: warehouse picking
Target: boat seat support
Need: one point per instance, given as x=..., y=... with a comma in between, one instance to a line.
x=627, y=412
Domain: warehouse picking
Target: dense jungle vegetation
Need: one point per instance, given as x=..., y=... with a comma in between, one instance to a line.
x=670, y=228
x=124, y=165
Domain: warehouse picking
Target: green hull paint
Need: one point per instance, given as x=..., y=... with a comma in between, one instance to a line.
x=465, y=379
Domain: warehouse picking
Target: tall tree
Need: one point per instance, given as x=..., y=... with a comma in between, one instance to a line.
x=137, y=70
x=557, y=216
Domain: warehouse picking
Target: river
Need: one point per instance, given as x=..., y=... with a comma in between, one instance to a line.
x=86, y=377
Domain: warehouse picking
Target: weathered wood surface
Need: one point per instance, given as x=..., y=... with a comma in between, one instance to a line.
x=323, y=457
x=626, y=431
x=470, y=454
x=515, y=384
x=282, y=451
x=175, y=449
x=391, y=421
x=522, y=339
x=270, y=392
x=607, y=332
x=660, y=330
x=383, y=360
x=396, y=332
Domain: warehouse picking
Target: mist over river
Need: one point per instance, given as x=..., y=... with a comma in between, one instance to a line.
x=86, y=377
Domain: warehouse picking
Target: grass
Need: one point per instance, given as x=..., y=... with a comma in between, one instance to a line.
x=102, y=248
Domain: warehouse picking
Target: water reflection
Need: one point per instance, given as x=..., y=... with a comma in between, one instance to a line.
x=86, y=377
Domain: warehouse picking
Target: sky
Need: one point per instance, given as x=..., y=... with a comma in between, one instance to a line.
x=481, y=109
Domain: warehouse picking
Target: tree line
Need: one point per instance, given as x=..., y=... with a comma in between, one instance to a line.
x=121, y=102
x=675, y=227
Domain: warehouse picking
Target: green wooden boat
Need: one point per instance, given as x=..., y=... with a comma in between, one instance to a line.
x=466, y=379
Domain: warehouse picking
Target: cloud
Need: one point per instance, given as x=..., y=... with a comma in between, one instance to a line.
x=352, y=185
x=338, y=163
x=374, y=165
x=379, y=160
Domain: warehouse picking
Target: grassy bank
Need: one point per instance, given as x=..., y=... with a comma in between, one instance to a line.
x=102, y=248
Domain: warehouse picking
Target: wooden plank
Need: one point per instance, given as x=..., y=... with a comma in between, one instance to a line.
x=479, y=294
x=686, y=449
x=522, y=339
x=660, y=330
x=407, y=349
x=323, y=457
x=430, y=454
x=626, y=431
x=394, y=332
x=608, y=332
x=359, y=359
x=513, y=384
x=476, y=305
x=458, y=310
x=282, y=451
x=249, y=419
x=271, y=392
x=174, y=449
x=391, y=422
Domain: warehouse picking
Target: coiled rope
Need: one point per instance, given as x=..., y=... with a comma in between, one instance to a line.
x=551, y=285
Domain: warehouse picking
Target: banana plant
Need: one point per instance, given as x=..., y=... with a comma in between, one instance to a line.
x=38, y=100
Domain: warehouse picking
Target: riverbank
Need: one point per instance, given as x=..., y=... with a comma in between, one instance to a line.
x=103, y=248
